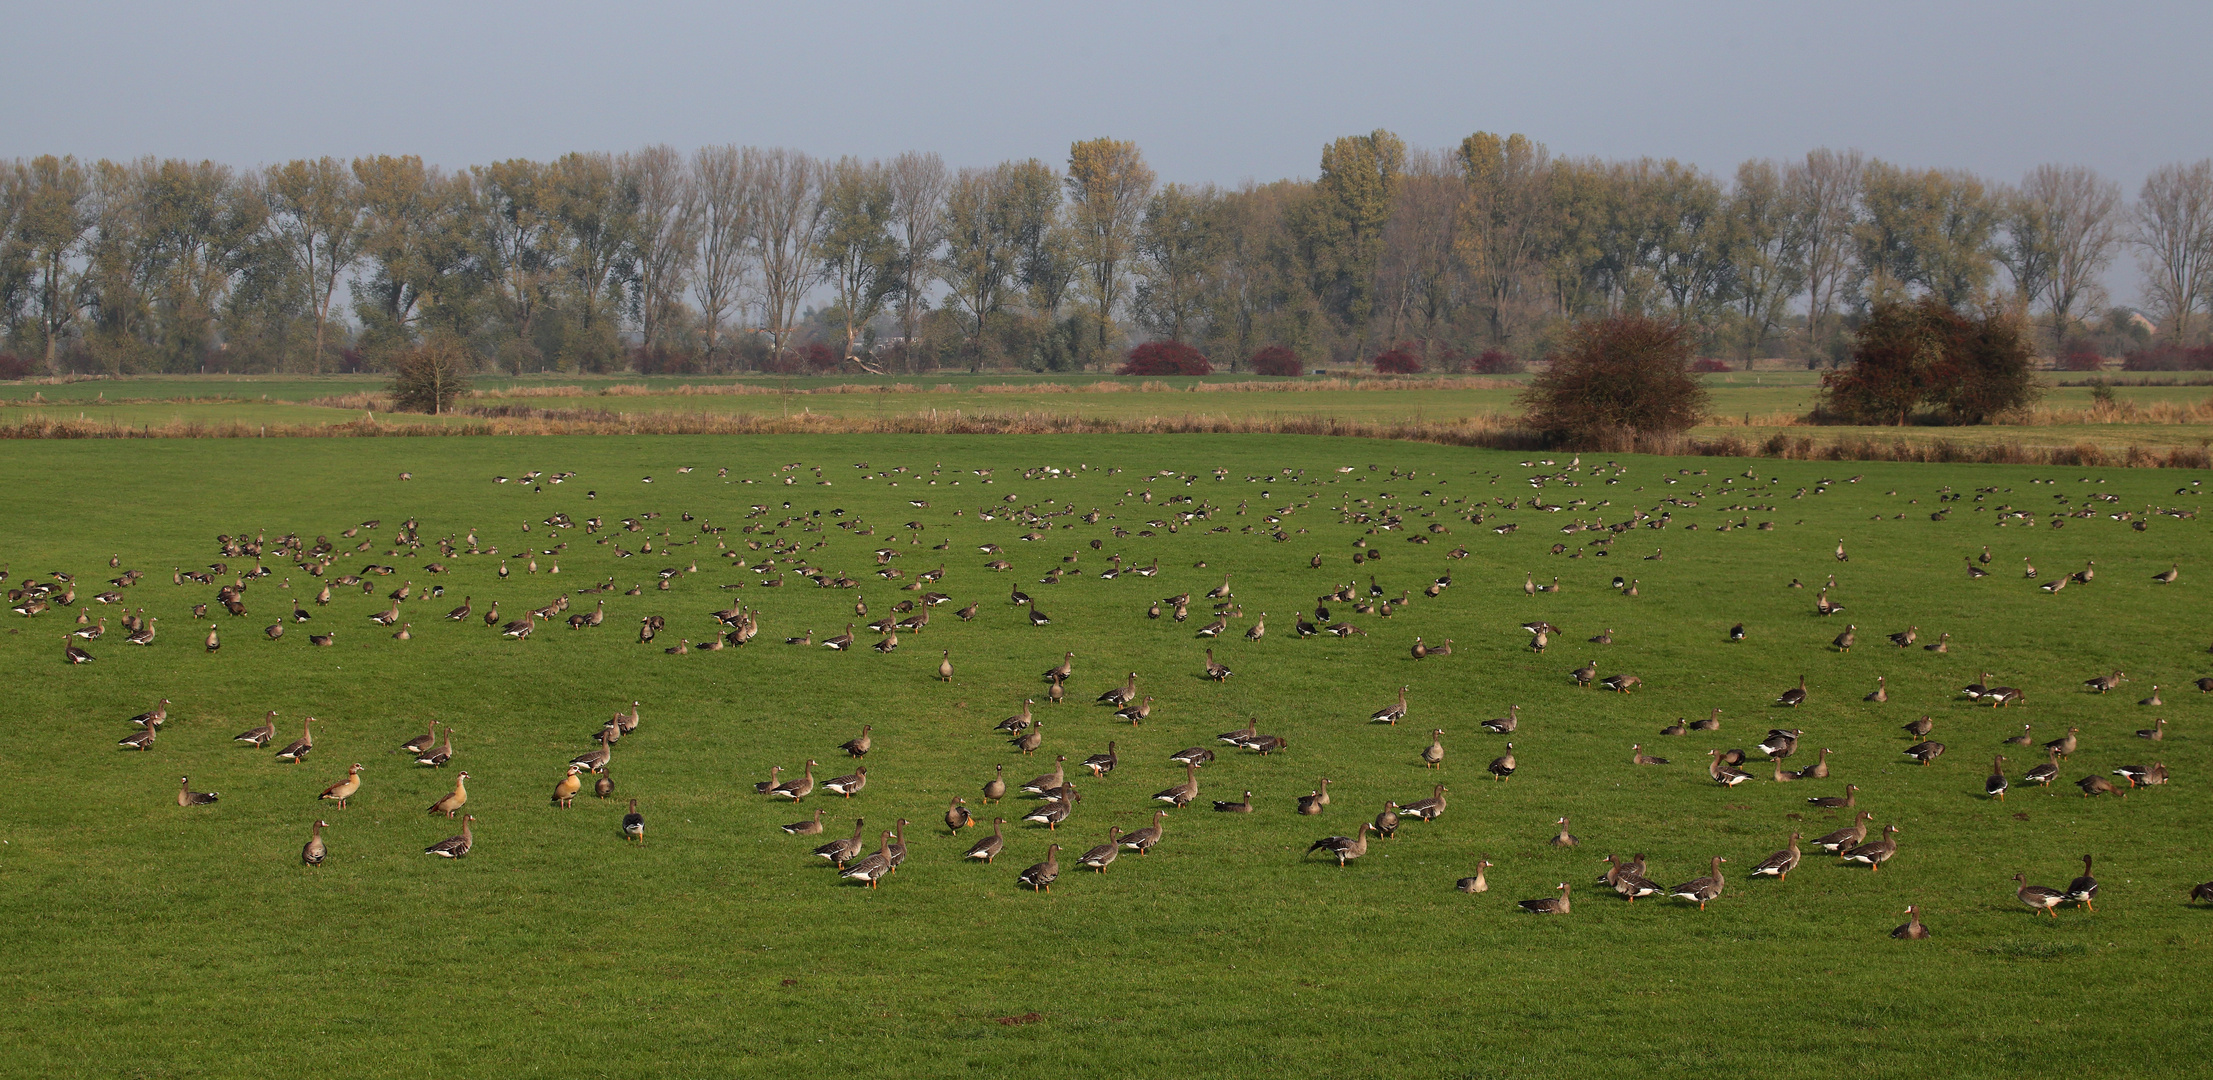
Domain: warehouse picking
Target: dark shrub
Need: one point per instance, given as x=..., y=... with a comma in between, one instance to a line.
x=1709, y=366
x=2080, y=354
x=429, y=376
x=2169, y=357
x=1496, y=362
x=1924, y=352
x=1277, y=360
x=1626, y=375
x=1165, y=358
x=13, y=367
x=1396, y=362
x=662, y=360
x=818, y=356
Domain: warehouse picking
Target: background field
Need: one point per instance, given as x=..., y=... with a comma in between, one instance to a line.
x=141, y=939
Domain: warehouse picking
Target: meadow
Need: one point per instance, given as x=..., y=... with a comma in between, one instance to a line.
x=141, y=938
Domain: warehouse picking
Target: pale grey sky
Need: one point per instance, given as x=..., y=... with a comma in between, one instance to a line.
x=1211, y=91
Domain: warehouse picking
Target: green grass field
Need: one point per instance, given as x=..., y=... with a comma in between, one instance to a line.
x=145, y=939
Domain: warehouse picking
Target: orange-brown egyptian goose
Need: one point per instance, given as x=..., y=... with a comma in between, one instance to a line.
x=454, y=800
x=344, y=789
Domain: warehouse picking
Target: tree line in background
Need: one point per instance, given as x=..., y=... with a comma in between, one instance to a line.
x=749, y=259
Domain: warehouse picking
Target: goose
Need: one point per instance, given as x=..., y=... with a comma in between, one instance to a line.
x=260, y=736
x=564, y=790
x=1102, y=764
x=1875, y=852
x=1099, y=857
x=2024, y=738
x=1182, y=794
x=1142, y=840
x=1120, y=695
x=873, y=868
x=2002, y=696
x=1503, y=765
x=1912, y=930
x=1604, y=637
x=957, y=816
x=1477, y=883
x=1506, y=724
x=1433, y=755
x=1243, y=806
x=2153, y=700
x=1197, y=755
x=344, y=789
x=1345, y=848
x=94, y=633
x=988, y=848
x=1942, y=644
x=1637, y=756
x=1429, y=809
x=437, y=758
x=1793, y=697
x=1675, y=728
x=144, y=635
x=763, y=787
x=841, y=642
x=142, y=739
x=1215, y=628
x=2084, y=890
x=2028, y=569
x=858, y=745
x=1845, y=640
x=1925, y=752
x=298, y=748
x=2043, y=775
x=2084, y=575
x=844, y=849
x=1974, y=571
x=1974, y=691
x=1020, y=721
x=1835, y=802
x=188, y=797
x=1723, y=773
x=314, y=853
x=847, y=786
x=455, y=799
x=1880, y=694
x=273, y=631
x=1419, y=650
x=2065, y=745
x=1041, y=876
x=1028, y=741
x=1441, y=650
x=2202, y=891
x=1736, y=633
x=454, y=847
x=2093, y=786
x=1780, y=864
x=1703, y=890
x=1550, y=905
x=1050, y=780
x=1621, y=684
x=1780, y=742
x=1563, y=838
x=2156, y=733
x=1631, y=883
x=1391, y=714
x=1586, y=674
x=807, y=638
x=1038, y=618
x=995, y=788
x=1137, y=713
x=795, y=790
x=1907, y=637
x=633, y=824
x=1311, y=804
x=1051, y=813
x=421, y=742
x=1848, y=837
x=2169, y=576
x=594, y=760
x=456, y=614
x=2037, y=897
x=2143, y=775
x=1234, y=738
x=2103, y=683
x=1215, y=670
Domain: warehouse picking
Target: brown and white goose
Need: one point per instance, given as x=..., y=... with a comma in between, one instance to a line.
x=810, y=827
x=995, y=788
x=1182, y=794
x=1142, y=840
x=1703, y=890
x=344, y=789
x=1793, y=697
x=1137, y=712
x=844, y=849
x=2084, y=890
x=763, y=787
x=859, y=745
x=314, y=853
x=1912, y=930
x=154, y=717
x=1504, y=725
x=1040, y=877
x=139, y=740
x=1503, y=766
x=188, y=797
x=875, y=867
x=423, y=742
x=593, y=760
x=1819, y=770
x=1836, y=802
x=1550, y=905
x=1433, y=755
x=1345, y=848
x=2037, y=897
x=1874, y=853
x=1050, y=781
x=989, y=847
x=1780, y=864
x=1244, y=806
x=1391, y=714
x=847, y=786
x=439, y=757
x=1994, y=785
x=259, y=736
x=454, y=847
x=796, y=790
x=1312, y=803
x=1848, y=837
x=1102, y=764
x=1429, y=809
x=1098, y=858
x=1563, y=838
x=298, y=748
x=1477, y=883
x=2043, y=775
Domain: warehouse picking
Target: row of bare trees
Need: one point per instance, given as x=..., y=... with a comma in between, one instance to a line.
x=735, y=257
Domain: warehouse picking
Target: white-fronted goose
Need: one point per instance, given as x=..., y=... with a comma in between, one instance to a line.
x=2037, y=897
x=1049, y=781
x=1345, y=848
x=810, y=827
x=1100, y=857
x=1942, y=644
x=1120, y=695
x=1137, y=712
x=154, y=717
x=1234, y=738
x=603, y=787
x=1874, y=853
x=995, y=788
x=2084, y=890
x=2097, y=785
x=1925, y=752
x=857, y=746
x=1215, y=670
x=1703, y=890
x=1429, y=809
x=1477, y=883
x=945, y=666
x=1847, y=639
x=763, y=787
x=2156, y=732
x=988, y=848
x=796, y=790
x=1712, y=722
x=454, y=800
x=1051, y=813
x=957, y=816
x=139, y=740
x=1780, y=742
x=1621, y=684
x=1020, y=721
x=1312, y=803
x=1880, y=694
x=2153, y=700
x=344, y=789
x=1637, y=756
x=1780, y=864
x=1243, y=806
x=841, y=642
x=2170, y=575
x=1197, y=755
x=1041, y=876
x=454, y=847
x=2066, y=744
x=847, y=786
x=1586, y=674
x=314, y=853
x=1182, y=794
x=260, y=736
x=1848, y=837
x=299, y=747
x=1392, y=714
x=1563, y=838
x=633, y=824
x=844, y=849
x=1029, y=740
x=1550, y=905
x=188, y=797
x=873, y=868
x=2043, y=775
x=437, y=758
x=2150, y=775
x=1795, y=696
x=1819, y=770
x=2024, y=738
x=1102, y=764
x=1503, y=765
x=1912, y=930
x=1994, y=785
x=1433, y=755
x=2099, y=684
x=595, y=760
x=1142, y=840
x=1834, y=802
x=1504, y=725
x=422, y=742
x=2202, y=891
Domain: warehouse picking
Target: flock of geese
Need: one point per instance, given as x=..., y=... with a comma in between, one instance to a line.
x=1055, y=792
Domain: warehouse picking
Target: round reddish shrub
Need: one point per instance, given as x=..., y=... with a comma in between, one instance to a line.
x=1396, y=362
x=1277, y=360
x=1708, y=366
x=1166, y=358
x=1496, y=362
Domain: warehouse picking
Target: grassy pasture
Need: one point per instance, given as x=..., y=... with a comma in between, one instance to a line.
x=143, y=939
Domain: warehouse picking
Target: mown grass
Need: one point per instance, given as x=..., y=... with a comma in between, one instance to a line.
x=144, y=939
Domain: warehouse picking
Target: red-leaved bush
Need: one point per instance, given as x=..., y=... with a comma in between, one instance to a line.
x=2080, y=355
x=1396, y=362
x=1708, y=366
x=659, y=359
x=1277, y=360
x=2169, y=357
x=14, y=367
x=1166, y=358
x=819, y=357
x=1496, y=362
